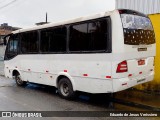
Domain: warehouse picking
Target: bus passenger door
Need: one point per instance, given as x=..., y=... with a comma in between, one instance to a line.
x=12, y=47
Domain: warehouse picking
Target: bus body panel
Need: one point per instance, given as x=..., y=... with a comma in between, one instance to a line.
x=93, y=85
x=79, y=68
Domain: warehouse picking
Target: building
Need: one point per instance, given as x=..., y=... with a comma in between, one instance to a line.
x=150, y=7
x=5, y=29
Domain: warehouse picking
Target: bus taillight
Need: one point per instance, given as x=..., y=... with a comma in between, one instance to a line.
x=122, y=67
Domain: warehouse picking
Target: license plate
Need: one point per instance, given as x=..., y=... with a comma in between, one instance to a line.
x=141, y=62
x=142, y=49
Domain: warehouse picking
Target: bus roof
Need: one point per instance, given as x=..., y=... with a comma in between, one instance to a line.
x=54, y=24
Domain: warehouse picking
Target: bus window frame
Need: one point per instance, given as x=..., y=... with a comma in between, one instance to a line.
x=109, y=41
x=61, y=26
x=38, y=39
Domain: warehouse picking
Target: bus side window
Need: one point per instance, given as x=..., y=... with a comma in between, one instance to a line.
x=90, y=36
x=97, y=31
x=78, y=37
x=53, y=40
x=29, y=42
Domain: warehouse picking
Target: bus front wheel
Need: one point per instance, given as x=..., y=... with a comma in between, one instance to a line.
x=19, y=81
x=65, y=89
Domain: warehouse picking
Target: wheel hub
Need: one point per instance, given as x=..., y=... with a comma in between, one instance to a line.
x=64, y=89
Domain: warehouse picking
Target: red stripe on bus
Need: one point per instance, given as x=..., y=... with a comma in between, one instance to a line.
x=130, y=75
x=108, y=77
x=140, y=72
x=85, y=75
x=65, y=70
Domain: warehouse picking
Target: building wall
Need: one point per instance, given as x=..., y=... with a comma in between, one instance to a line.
x=145, y=6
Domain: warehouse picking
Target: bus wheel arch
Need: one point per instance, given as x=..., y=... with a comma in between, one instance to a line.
x=17, y=76
x=15, y=72
x=65, y=87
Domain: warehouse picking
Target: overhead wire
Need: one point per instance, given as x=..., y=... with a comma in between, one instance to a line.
x=8, y=4
x=10, y=7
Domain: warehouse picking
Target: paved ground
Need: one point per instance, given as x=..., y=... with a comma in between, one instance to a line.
x=36, y=98
x=43, y=98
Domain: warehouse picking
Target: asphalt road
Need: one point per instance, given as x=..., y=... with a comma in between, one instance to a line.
x=43, y=98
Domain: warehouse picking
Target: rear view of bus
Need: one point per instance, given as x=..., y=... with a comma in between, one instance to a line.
x=133, y=50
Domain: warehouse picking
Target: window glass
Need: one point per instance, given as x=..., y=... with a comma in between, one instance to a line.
x=78, y=38
x=90, y=36
x=53, y=40
x=29, y=42
x=98, y=33
x=12, y=47
x=136, y=22
x=138, y=30
x=46, y=37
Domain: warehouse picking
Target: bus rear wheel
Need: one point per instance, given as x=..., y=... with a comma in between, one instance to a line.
x=65, y=89
x=19, y=81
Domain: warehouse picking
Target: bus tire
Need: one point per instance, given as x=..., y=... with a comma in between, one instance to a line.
x=65, y=89
x=19, y=81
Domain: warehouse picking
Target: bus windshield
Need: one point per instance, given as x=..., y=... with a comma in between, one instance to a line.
x=138, y=30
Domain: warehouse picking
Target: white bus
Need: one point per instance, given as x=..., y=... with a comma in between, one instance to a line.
x=103, y=53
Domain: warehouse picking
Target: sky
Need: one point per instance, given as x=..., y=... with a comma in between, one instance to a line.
x=25, y=13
